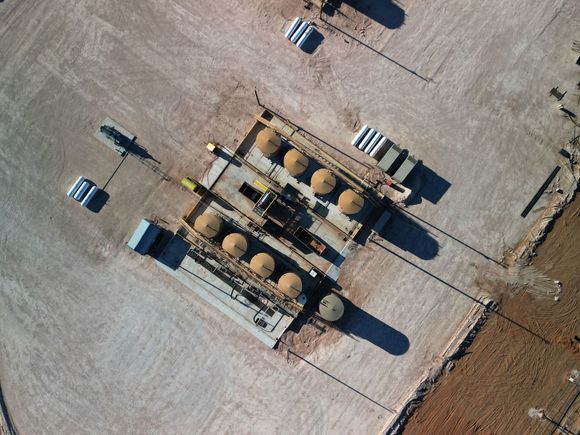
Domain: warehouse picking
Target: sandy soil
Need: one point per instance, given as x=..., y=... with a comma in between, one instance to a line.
x=508, y=370
x=96, y=339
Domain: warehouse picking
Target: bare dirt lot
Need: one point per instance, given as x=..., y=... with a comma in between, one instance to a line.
x=507, y=371
x=95, y=339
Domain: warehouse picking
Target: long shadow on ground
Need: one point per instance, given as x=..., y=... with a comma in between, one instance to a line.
x=384, y=12
x=425, y=184
x=410, y=236
x=359, y=323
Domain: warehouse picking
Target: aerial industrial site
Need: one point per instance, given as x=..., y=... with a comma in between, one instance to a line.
x=289, y=217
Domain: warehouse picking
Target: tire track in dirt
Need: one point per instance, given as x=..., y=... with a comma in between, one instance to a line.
x=507, y=371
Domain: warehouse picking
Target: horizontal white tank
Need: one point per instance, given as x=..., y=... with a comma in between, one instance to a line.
x=298, y=33
x=360, y=134
x=75, y=186
x=81, y=192
x=89, y=196
x=373, y=142
x=292, y=27
x=305, y=36
x=363, y=143
x=378, y=147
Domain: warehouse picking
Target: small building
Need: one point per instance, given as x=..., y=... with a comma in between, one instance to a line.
x=144, y=237
x=167, y=248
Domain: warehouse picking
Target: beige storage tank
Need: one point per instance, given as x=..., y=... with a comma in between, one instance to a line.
x=235, y=244
x=268, y=142
x=331, y=307
x=295, y=162
x=208, y=224
x=350, y=202
x=323, y=181
x=263, y=264
x=290, y=284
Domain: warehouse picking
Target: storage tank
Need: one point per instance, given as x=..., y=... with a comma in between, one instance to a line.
x=350, y=202
x=235, y=244
x=323, y=181
x=295, y=162
x=208, y=224
x=290, y=284
x=268, y=142
x=263, y=264
x=331, y=308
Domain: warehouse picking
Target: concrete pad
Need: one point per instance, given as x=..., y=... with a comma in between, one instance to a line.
x=108, y=142
x=218, y=294
x=274, y=169
x=230, y=177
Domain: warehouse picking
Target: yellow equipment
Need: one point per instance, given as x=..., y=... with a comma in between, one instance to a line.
x=189, y=184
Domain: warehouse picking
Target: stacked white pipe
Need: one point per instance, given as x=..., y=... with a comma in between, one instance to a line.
x=82, y=191
x=299, y=31
x=369, y=140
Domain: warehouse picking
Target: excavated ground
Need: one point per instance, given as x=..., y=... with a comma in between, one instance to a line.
x=508, y=370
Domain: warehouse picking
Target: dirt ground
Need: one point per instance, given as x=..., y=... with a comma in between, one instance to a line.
x=507, y=370
x=96, y=339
